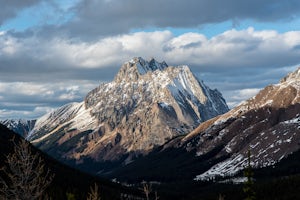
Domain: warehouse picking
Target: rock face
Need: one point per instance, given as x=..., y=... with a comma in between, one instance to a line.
x=268, y=125
x=147, y=104
x=20, y=126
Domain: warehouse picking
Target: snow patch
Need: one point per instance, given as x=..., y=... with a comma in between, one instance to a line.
x=228, y=167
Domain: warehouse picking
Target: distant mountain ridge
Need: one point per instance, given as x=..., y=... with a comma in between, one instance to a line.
x=147, y=104
x=66, y=179
x=20, y=126
x=267, y=124
x=138, y=128
x=149, y=108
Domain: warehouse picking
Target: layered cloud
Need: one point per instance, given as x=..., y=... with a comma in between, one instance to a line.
x=31, y=100
x=91, y=19
x=49, y=73
x=110, y=17
x=65, y=48
x=10, y=9
x=230, y=53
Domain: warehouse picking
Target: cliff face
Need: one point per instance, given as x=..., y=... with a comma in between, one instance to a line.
x=268, y=125
x=147, y=104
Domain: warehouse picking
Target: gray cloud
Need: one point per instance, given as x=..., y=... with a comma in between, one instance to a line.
x=297, y=47
x=191, y=45
x=45, y=67
x=239, y=85
x=23, y=69
x=101, y=18
x=9, y=9
x=31, y=100
x=228, y=56
x=91, y=19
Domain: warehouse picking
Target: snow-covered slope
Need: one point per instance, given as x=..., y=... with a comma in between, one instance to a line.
x=268, y=125
x=20, y=126
x=146, y=104
x=71, y=116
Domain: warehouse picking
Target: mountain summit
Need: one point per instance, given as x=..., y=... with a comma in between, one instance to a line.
x=147, y=104
x=267, y=125
x=137, y=67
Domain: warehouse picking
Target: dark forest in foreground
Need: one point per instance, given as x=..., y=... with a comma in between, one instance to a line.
x=279, y=182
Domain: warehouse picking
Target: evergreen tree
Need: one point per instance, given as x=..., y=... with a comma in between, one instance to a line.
x=248, y=185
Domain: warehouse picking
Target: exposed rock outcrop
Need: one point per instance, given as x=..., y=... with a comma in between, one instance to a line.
x=147, y=104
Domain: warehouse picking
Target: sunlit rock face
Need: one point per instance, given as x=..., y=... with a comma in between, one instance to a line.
x=267, y=124
x=146, y=104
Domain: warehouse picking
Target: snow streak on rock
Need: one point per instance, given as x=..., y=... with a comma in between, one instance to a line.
x=146, y=104
x=267, y=124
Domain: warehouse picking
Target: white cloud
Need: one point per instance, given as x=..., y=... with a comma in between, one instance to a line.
x=237, y=96
x=41, y=110
x=238, y=49
x=110, y=50
x=242, y=60
x=28, y=114
x=29, y=89
x=9, y=45
x=32, y=100
x=234, y=49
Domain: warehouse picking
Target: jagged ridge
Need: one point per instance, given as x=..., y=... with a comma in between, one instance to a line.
x=147, y=104
x=267, y=124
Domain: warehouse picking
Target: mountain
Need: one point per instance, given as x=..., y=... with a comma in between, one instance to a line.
x=66, y=179
x=71, y=181
x=20, y=126
x=147, y=104
x=267, y=125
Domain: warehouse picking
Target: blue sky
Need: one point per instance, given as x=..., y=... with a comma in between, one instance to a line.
x=53, y=52
x=40, y=14
x=59, y=12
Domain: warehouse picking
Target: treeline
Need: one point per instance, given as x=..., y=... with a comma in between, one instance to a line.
x=41, y=177
x=27, y=170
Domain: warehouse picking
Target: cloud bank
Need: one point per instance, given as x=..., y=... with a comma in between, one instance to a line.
x=9, y=9
x=50, y=73
x=111, y=17
x=76, y=44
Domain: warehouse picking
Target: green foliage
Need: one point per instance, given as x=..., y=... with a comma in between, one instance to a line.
x=70, y=196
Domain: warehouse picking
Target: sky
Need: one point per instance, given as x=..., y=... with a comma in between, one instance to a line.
x=53, y=52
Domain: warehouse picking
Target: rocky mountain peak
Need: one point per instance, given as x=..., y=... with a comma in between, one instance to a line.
x=147, y=104
x=291, y=77
x=137, y=67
